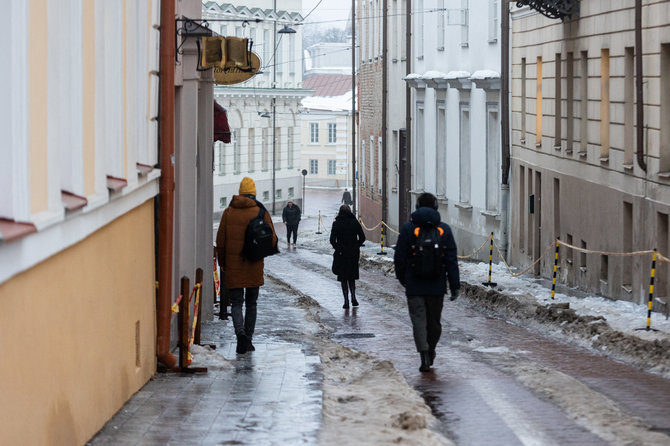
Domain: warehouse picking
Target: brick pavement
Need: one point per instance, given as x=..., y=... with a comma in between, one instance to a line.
x=271, y=396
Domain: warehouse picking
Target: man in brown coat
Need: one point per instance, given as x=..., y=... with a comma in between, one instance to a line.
x=241, y=274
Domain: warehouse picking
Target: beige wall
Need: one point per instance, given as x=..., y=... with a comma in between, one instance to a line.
x=68, y=335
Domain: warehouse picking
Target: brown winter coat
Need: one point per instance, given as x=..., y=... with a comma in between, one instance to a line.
x=239, y=273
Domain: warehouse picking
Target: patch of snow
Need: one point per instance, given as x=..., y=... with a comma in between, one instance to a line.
x=492, y=349
x=458, y=74
x=432, y=74
x=485, y=74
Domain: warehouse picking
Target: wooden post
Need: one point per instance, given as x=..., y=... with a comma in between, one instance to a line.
x=183, y=322
x=198, y=279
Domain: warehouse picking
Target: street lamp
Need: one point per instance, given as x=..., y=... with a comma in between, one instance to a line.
x=284, y=30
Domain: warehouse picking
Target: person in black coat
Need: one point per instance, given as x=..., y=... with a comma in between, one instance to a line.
x=425, y=296
x=291, y=218
x=347, y=237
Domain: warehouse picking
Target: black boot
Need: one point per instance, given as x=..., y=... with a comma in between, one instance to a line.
x=354, y=302
x=241, y=344
x=431, y=356
x=425, y=362
x=250, y=346
x=346, y=303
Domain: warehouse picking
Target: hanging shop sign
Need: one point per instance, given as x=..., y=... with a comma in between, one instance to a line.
x=229, y=75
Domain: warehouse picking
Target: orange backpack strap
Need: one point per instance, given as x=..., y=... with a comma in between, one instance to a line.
x=441, y=231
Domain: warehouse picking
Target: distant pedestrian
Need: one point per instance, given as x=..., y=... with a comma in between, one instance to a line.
x=347, y=237
x=346, y=198
x=291, y=218
x=243, y=277
x=425, y=257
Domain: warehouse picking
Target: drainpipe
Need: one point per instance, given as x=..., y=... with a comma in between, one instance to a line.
x=408, y=116
x=638, y=86
x=384, y=178
x=166, y=211
x=504, y=123
x=353, y=107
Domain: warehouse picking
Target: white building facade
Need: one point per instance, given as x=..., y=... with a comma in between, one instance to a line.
x=250, y=105
x=326, y=140
x=455, y=109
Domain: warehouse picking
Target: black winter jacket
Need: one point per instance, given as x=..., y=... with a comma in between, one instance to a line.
x=291, y=215
x=415, y=286
x=346, y=236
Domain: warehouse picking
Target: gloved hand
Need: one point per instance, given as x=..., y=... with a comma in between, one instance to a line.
x=454, y=295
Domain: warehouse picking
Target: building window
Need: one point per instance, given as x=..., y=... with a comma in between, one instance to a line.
x=291, y=192
x=236, y=150
x=604, y=104
x=289, y=146
x=223, y=202
x=278, y=148
x=371, y=164
x=420, y=30
x=332, y=167
x=493, y=21
x=221, y=158
x=265, y=150
x=278, y=193
x=464, y=168
x=538, y=104
x=332, y=133
x=441, y=150
x=361, y=166
x=665, y=109
x=492, y=150
x=523, y=100
x=584, y=102
x=441, y=18
x=465, y=22
x=629, y=107
x=420, y=131
x=267, y=47
x=252, y=150
x=557, y=101
x=266, y=195
x=570, y=96
x=314, y=167
x=313, y=132
x=380, y=160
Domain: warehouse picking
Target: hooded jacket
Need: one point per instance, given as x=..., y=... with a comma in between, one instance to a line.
x=239, y=272
x=414, y=286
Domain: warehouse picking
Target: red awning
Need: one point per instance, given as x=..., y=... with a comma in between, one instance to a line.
x=221, y=128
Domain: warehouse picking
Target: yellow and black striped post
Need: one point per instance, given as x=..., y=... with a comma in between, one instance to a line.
x=651, y=293
x=489, y=283
x=318, y=230
x=553, y=280
x=381, y=252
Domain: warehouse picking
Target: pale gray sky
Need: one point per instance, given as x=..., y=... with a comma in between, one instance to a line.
x=326, y=11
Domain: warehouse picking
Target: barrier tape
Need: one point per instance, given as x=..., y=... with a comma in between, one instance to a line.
x=217, y=283
x=366, y=228
x=608, y=253
x=390, y=228
x=475, y=251
x=197, y=287
x=532, y=265
x=175, y=305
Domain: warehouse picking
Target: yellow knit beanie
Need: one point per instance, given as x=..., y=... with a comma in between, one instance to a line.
x=247, y=186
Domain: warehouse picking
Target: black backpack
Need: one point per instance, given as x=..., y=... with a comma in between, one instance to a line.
x=258, y=236
x=427, y=252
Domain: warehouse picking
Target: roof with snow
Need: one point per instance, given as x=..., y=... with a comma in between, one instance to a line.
x=328, y=84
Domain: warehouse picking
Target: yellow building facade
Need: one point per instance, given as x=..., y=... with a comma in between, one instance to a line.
x=77, y=231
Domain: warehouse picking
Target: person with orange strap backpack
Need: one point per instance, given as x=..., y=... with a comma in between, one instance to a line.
x=425, y=259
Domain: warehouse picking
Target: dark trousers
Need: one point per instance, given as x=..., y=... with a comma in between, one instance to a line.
x=425, y=313
x=243, y=324
x=291, y=229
